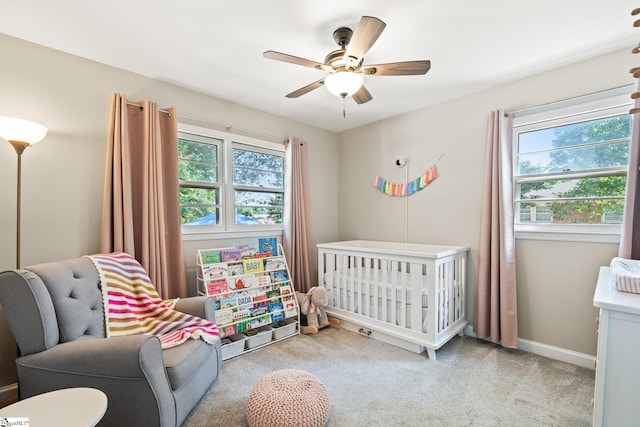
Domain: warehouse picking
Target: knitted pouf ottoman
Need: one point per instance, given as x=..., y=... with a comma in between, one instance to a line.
x=288, y=398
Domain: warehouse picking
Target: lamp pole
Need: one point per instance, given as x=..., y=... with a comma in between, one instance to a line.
x=19, y=146
x=21, y=134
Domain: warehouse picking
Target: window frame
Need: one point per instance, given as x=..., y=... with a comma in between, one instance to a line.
x=227, y=228
x=605, y=104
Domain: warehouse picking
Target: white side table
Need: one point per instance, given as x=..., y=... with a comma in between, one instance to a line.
x=70, y=407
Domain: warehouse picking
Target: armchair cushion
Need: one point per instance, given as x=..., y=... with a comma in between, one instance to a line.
x=183, y=361
x=74, y=289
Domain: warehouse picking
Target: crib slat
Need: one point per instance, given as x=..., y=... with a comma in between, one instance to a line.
x=343, y=281
x=434, y=302
x=383, y=290
x=393, y=291
x=416, y=296
x=327, y=273
x=402, y=289
x=463, y=284
x=451, y=300
x=366, y=287
x=442, y=298
x=376, y=288
x=358, y=286
x=351, y=273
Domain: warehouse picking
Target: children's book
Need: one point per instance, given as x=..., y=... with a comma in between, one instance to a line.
x=277, y=311
x=279, y=276
x=231, y=255
x=272, y=264
x=289, y=304
x=273, y=295
x=263, y=280
x=214, y=271
x=228, y=302
x=285, y=290
x=224, y=316
x=227, y=331
x=247, y=249
x=244, y=281
x=288, y=301
x=268, y=245
x=259, y=317
x=218, y=288
x=260, y=301
x=244, y=300
x=253, y=265
x=235, y=269
x=240, y=318
x=211, y=258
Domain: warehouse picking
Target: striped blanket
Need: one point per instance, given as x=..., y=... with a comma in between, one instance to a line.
x=132, y=305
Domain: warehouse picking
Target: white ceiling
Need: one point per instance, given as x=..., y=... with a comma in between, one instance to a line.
x=215, y=47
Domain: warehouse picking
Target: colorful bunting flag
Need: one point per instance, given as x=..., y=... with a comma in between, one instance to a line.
x=407, y=189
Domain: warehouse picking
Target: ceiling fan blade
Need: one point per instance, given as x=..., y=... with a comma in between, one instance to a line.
x=408, y=68
x=362, y=95
x=306, y=89
x=368, y=30
x=278, y=56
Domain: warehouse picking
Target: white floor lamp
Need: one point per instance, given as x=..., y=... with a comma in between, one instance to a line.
x=21, y=134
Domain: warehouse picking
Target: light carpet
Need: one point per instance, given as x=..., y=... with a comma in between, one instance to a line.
x=370, y=383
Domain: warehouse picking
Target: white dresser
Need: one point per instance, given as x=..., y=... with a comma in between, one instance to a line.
x=617, y=394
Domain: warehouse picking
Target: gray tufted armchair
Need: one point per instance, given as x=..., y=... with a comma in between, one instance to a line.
x=55, y=313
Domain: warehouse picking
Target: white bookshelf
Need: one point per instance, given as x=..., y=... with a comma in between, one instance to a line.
x=255, y=298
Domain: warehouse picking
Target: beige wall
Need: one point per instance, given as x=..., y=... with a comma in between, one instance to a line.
x=556, y=280
x=63, y=175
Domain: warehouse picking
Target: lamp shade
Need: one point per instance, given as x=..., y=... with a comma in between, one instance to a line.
x=13, y=129
x=343, y=83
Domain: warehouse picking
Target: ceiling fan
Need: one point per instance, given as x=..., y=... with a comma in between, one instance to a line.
x=345, y=65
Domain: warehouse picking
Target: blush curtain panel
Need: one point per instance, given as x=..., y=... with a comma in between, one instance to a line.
x=296, y=240
x=496, y=305
x=141, y=206
x=630, y=233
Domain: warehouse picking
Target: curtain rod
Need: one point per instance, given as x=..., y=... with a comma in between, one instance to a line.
x=141, y=107
x=228, y=128
x=607, y=93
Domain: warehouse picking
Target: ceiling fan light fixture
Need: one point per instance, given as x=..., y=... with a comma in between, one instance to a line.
x=343, y=83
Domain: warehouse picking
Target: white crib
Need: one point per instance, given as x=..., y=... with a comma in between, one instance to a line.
x=406, y=294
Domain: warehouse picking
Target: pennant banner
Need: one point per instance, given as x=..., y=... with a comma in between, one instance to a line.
x=407, y=189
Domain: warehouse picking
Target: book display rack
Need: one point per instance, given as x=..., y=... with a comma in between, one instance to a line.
x=254, y=296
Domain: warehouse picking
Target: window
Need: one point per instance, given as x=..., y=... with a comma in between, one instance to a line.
x=229, y=183
x=199, y=171
x=258, y=182
x=570, y=165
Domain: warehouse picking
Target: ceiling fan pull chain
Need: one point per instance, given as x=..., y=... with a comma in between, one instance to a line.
x=344, y=113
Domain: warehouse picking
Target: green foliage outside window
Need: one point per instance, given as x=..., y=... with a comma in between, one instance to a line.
x=198, y=163
x=257, y=183
x=579, y=147
x=262, y=176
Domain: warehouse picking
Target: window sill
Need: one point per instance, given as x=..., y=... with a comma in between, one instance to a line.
x=223, y=235
x=569, y=233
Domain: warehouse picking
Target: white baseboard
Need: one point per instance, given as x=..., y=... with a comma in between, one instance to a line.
x=552, y=352
x=8, y=393
x=557, y=353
